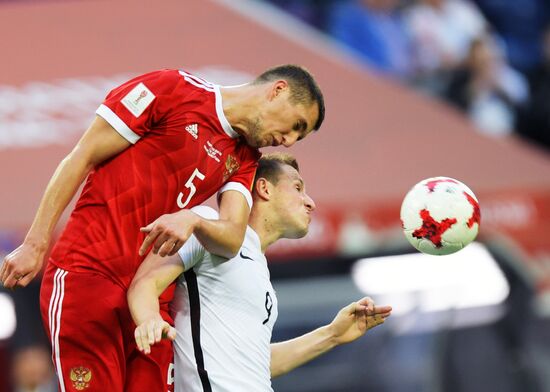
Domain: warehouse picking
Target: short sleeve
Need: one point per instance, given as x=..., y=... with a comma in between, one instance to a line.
x=133, y=108
x=243, y=179
x=192, y=252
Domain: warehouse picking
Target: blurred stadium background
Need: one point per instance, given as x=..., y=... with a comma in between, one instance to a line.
x=414, y=89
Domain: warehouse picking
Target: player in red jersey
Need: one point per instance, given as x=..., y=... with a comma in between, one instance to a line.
x=160, y=144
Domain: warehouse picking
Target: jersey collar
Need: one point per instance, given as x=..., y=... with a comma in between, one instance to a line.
x=221, y=115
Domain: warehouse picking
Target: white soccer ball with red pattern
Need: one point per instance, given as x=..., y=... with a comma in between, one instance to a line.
x=440, y=216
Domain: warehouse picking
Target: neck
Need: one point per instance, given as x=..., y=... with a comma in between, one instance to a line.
x=264, y=227
x=238, y=104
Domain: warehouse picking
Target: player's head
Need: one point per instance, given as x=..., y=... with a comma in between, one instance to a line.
x=280, y=196
x=292, y=106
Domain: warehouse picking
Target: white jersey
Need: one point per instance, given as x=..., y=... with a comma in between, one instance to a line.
x=224, y=312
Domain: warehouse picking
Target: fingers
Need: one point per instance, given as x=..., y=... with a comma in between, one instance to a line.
x=171, y=334
x=382, y=309
x=177, y=245
x=3, y=269
x=366, y=304
x=6, y=273
x=149, y=239
x=140, y=337
x=151, y=332
x=164, y=245
x=147, y=228
x=15, y=279
x=164, y=241
x=25, y=280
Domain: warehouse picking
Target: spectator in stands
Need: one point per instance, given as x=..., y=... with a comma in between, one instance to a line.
x=442, y=31
x=520, y=23
x=376, y=31
x=535, y=123
x=487, y=89
x=33, y=371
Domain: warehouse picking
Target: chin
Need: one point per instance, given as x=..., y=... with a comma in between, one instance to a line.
x=300, y=232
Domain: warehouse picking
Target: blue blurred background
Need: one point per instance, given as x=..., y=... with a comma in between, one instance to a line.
x=414, y=89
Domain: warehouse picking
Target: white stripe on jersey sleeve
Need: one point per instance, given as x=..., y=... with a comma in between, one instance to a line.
x=120, y=126
x=237, y=186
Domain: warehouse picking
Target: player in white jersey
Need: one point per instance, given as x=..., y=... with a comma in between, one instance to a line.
x=224, y=310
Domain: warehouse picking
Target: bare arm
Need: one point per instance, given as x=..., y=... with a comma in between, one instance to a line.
x=98, y=143
x=223, y=236
x=152, y=277
x=350, y=323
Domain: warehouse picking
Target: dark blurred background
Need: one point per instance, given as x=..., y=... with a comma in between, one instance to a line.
x=414, y=89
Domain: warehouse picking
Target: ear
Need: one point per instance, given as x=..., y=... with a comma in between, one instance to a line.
x=263, y=189
x=277, y=88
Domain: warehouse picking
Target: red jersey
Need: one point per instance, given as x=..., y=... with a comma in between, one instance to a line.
x=183, y=151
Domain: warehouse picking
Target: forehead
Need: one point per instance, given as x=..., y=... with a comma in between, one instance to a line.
x=311, y=112
x=290, y=174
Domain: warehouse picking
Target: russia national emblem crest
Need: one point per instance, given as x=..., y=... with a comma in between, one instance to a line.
x=81, y=376
x=231, y=166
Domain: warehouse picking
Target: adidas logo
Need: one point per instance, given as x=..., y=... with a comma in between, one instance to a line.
x=193, y=130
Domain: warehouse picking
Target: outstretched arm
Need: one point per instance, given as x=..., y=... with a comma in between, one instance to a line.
x=153, y=276
x=350, y=323
x=223, y=236
x=99, y=142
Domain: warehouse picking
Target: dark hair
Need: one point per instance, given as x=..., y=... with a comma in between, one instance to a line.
x=271, y=165
x=303, y=87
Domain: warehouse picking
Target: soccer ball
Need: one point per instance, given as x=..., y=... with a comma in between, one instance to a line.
x=440, y=216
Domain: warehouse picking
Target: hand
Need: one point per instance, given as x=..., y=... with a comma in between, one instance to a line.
x=169, y=232
x=21, y=265
x=151, y=331
x=356, y=319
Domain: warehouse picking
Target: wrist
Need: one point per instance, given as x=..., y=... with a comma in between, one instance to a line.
x=196, y=221
x=39, y=244
x=330, y=336
x=143, y=318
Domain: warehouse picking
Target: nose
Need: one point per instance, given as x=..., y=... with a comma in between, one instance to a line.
x=290, y=139
x=310, y=204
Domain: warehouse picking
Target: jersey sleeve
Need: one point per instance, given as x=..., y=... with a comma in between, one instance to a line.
x=134, y=108
x=243, y=179
x=192, y=252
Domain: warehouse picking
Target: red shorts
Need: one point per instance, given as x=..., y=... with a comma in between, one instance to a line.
x=92, y=336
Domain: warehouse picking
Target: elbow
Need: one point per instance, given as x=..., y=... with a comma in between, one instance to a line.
x=231, y=245
x=131, y=290
x=235, y=245
x=138, y=285
x=229, y=252
x=277, y=371
x=234, y=251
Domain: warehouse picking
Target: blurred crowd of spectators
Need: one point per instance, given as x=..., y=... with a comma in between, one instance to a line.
x=489, y=58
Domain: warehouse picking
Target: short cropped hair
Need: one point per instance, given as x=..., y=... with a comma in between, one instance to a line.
x=303, y=87
x=270, y=166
